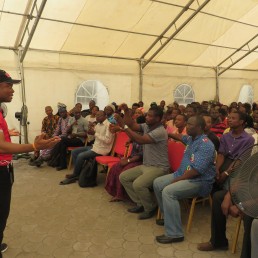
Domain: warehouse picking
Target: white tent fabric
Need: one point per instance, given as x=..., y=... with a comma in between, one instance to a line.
x=104, y=40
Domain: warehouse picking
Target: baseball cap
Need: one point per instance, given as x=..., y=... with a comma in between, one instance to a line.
x=5, y=77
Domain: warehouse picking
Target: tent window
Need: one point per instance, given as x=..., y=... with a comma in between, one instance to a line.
x=92, y=90
x=184, y=94
x=246, y=94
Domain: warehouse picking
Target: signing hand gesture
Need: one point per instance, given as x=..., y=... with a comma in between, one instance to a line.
x=42, y=143
x=14, y=132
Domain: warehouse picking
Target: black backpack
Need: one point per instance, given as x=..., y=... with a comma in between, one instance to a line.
x=88, y=175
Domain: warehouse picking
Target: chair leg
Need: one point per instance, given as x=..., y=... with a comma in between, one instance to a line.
x=159, y=215
x=190, y=218
x=70, y=162
x=233, y=250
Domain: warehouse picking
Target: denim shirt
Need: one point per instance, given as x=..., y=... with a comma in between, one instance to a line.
x=199, y=155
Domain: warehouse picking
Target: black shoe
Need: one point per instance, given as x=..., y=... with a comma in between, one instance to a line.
x=167, y=240
x=136, y=209
x=68, y=181
x=147, y=214
x=3, y=247
x=60, y=168
x=160, y=222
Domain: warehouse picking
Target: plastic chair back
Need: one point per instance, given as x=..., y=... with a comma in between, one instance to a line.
x=121, y=139
x=175, y=154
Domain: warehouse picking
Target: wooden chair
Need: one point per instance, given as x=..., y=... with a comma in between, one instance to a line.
x=69, y=149
x=234, y=244
x=195, y=200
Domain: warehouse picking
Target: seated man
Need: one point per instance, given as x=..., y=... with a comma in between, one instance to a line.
x=232, y=144
x=60, y=131
x=217, y=127
x=77, y=133
x=194, y=177
x=137, y=181
x=102, y=145
x=48, y=127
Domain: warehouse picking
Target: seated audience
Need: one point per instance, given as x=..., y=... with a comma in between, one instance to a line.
x=212, y=136
x=48, y=127
x=232, y=144
x=190, y=111
x=110, y=111
x=87, y=112
x=102, y=144
x=170, y=125
x=77, y=133
x=60, y=131
x=180, y=123
x=77, y=106
x=194, y=177
x=92, y=122
x=137, y=181
x=217, y=127
x=162, y=105
x=113, y=185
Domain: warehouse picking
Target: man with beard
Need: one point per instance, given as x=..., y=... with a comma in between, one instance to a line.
x=137, y=181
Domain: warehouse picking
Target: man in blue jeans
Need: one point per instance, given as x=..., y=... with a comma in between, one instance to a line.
x=194, y=177
x=102, y=145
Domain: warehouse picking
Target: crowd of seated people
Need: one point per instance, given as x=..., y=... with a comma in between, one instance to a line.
x=210, y=131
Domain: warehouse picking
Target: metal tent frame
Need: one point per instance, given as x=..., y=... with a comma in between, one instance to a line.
x=32, y=5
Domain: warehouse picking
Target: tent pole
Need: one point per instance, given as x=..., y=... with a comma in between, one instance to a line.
x=217, y=83
x=141, y=79
x=40, y=11
x=24, y=126
x=176, y=32
x=168, y=28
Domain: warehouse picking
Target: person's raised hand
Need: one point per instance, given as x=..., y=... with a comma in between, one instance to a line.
x=41, y=143
x=119, y=120
x=14, y=132
x=114, y=128
x=124, y=107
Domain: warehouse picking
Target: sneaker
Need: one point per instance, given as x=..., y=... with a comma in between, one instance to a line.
x=4, y=247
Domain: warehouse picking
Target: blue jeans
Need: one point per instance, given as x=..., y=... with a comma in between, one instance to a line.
x=168, y=195
x=79, y=155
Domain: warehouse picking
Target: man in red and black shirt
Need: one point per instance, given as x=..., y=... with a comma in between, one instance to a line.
x=7, y=149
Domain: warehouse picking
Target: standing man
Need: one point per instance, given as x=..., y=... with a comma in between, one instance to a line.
x=137, y=181
x=7, y=149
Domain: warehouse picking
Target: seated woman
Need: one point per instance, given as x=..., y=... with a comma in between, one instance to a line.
x=113, y=185
x=180, y=125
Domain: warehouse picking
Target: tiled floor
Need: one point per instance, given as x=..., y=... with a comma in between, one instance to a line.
x=49, y=220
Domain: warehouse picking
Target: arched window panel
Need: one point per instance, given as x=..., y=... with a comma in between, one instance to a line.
x=246, y=94
x=184, y=94
x=92, y=90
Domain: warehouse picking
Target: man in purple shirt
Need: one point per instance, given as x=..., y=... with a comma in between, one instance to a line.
x=232, y=145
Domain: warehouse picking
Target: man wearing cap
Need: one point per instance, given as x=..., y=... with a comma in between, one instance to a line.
x=7, y=149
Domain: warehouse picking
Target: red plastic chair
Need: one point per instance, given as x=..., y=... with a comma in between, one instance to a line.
x=175, y=154
x=120, y=150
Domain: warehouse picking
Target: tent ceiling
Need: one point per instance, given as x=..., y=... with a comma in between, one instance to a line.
x=126, y=29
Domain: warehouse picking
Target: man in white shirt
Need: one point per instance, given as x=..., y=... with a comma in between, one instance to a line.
x=102, y=145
